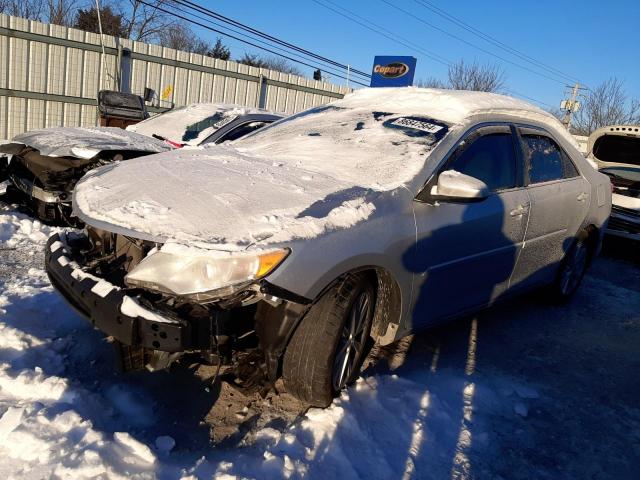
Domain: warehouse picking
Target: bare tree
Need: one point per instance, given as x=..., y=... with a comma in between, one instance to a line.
x=556, y=112
x=607, y=104
x=60, y=12
x=273, y=63
x=178, y=36
x=146, y=23
x=431, y=82
x=29, y=9
x=474, y=76
x=181, y=37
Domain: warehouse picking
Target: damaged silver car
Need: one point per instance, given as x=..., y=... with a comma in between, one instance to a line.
x=288, y=253
x=43, y=166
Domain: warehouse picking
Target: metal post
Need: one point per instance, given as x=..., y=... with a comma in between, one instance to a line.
x=101, y=40
x=262, y=92
x=570, y=106
x=119, y=68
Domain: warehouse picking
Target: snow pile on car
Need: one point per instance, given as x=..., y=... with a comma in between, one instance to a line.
x=204, y=118
x=62, y=141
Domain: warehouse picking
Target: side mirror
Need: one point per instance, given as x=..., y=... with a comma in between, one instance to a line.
x=458, y=186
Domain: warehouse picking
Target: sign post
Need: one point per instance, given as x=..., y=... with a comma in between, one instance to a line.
x=393, y=71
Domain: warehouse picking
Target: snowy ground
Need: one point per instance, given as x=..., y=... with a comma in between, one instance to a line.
x=525, y=390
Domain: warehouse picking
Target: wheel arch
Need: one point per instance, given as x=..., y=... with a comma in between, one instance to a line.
x=389, y=301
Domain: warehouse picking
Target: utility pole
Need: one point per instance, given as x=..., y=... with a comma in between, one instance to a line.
x=571, y=105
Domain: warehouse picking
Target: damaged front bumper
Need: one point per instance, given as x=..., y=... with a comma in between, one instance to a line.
x=261, y=321
x=31, y=190
x=118, y=312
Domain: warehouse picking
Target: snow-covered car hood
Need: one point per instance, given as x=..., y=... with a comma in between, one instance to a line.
x=217, y=196
x=63, y=141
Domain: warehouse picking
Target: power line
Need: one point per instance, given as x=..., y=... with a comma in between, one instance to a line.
x=444, y=60
x=488, y=38
x=518, y=94
x=271, y=38
x=239, y=39
x=243, y=40
x=435, y=27
x=322, y=67
x=393, y=36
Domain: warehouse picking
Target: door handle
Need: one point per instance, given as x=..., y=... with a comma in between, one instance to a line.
x=519, y=210
x=582, y=197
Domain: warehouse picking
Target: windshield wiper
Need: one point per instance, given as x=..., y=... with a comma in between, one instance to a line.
x=166, y=140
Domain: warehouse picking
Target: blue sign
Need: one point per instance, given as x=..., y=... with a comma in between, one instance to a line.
x=390, y=71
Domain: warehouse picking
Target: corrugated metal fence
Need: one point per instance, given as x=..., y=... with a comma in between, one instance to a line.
x=50, y=76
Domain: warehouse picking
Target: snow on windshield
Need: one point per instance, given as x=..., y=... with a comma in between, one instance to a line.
x=376, y=148
x=191, y=124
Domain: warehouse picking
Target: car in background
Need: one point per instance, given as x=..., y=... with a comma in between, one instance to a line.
x=616, y=151
x=43, y=166
x=289, y=252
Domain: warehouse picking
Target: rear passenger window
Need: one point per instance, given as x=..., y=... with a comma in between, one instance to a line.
x=489, y=158
x=570, y=170
x=546, y=160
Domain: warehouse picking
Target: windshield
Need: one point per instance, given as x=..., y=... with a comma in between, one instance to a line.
x=355, y=144
x=187, y=125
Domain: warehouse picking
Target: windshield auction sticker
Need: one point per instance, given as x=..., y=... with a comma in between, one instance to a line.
x=225, y=121
x=418, y=126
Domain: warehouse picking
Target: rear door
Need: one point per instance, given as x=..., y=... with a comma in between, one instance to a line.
x=559, y=201
x=467, y=251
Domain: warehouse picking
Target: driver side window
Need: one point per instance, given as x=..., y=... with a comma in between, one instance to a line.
x=490, y=158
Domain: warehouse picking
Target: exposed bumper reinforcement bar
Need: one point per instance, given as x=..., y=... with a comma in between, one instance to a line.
x=102, y=304
x=29, y=189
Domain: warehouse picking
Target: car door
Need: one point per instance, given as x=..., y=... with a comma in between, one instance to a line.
x=559, y=201
x=466, y=251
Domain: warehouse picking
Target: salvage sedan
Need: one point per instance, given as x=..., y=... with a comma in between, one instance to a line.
x=291, y=251
x=44, y=165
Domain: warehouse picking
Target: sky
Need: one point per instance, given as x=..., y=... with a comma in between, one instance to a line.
x=589, y=43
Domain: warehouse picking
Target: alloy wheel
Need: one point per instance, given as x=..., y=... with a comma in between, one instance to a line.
x=574, y=269
x=353, y=339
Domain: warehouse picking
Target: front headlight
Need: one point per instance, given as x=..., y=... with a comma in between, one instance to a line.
x=203, y=277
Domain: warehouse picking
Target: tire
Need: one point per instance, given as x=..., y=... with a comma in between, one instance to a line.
x=327, y=349
x=572, y=269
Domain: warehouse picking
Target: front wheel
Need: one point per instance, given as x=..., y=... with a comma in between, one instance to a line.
x=328, y=347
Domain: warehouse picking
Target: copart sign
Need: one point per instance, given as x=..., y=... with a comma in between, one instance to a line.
x=389, y=71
